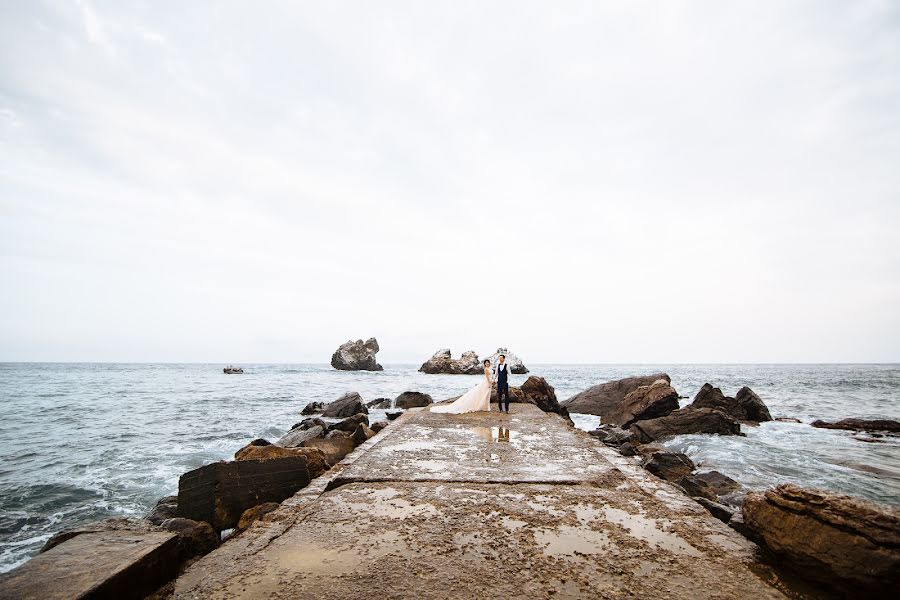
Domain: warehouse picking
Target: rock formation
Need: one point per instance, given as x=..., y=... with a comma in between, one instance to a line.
x=346, y=406
x=313, y=408
x=441, y=362
x=861, y=425
x=412, y=400
x=646, y=402
x=836, y=539
x=604, y=398
x=516, y=366
x=671, y=466
x=686, y=420
x=745, y=406
x=356, y=356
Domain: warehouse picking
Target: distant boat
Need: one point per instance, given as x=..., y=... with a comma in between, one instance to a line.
x=229, y=370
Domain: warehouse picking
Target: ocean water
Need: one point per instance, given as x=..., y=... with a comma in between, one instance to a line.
x=81, y=442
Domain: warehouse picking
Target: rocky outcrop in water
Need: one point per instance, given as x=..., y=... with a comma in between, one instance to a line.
x=516, y=366
x=350, y=423
x=606, y=397
x=836, y=539
x=646, y=402
x=412, y=400
x=683, y=421
x=380, y=403
x=442, y=363
x=347, y=405
x=861, y=425
x=745, y=406
x=356, y=356
x=313, y=408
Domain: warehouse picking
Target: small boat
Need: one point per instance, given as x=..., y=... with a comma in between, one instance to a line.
x=229, y=370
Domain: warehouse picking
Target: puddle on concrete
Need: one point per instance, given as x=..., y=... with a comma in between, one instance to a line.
x=512, y=524
x=495, y=434
x=384, y=504
x=646, y=529
x=571, y=541
x=314, y=559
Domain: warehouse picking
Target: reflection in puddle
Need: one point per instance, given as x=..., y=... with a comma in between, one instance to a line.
x=495, y=434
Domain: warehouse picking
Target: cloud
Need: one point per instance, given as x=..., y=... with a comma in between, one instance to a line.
x=605, y=183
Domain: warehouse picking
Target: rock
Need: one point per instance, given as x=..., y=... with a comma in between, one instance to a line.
x=646, y=402
x=719, y=511
x=441, y=362
x=718, y=483
x=830, y=537
x=196, y=537
x=412, y=400
x=220, y=492
x=334, y=449
x=535, y=391
x=256, y=512
x=380, y=403
x=362, y=434
x=337, y=433
x=628, y=449
x=315, y=459
x=165, y=508
x=356, y=356
x=755, y=409
x=313, y=408
x=671, y=466
x=861, y=425
x=311, y=422
x=788, y=420
x=737, y=523
x=392, y=415
x=516, y=367
x=602, y=399
x=696, y=488
x=746, y=406
x=686, y=420
x=350, y=423
x=377, y=426
x=612, y=435
x=347, y=405
x=295, y=437
x=128, y=559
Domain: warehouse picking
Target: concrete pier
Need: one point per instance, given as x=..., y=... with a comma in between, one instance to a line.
x=483, y=506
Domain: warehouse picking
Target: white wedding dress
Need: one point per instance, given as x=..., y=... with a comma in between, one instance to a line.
x=476, y=399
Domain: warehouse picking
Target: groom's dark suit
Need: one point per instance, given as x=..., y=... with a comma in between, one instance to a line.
x=502, y=386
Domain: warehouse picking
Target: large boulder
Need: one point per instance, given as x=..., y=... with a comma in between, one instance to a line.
x=347, y=405
x=196, y=537
x=166, y=508
x=671, y=466
x=362, y=434
x=516, y=367
x=313, y=408
x=334, y=448
x=836, y=539
x=604, y=398
x=412, y=400
x=685, y=420
x=535, y=390
x=861, y=425
x=746, y=406
x=380, y=403
x=356, y=356
x=441, y=362
x=646, y=402
x=315, y=459
x=350, y=423
x=295, y=437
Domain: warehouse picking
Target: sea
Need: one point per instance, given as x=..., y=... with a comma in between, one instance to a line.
x=83, y=442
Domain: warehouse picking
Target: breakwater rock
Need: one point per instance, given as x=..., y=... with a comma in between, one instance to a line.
x=442, y=362
x=356, y=356
x=835, y=539
x=606, y=397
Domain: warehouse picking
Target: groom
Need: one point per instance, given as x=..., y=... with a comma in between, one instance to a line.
x=501, y=372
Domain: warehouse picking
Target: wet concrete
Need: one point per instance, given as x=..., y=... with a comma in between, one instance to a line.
x=480, y=506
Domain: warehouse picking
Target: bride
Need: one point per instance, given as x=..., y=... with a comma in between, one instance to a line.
x=478, y=398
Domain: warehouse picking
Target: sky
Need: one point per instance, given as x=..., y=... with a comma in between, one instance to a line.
x=581, y=182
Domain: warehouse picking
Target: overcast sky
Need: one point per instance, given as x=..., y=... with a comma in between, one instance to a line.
x=581, y=182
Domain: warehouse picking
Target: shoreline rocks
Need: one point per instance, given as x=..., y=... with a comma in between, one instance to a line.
x=887, y=425
x=646, y=402
x=745, y=406
x=515, y=364
x=684, y=421
x=442, y=362
x=412, y=400
x=357, y=356
x=604, y=398
x=347, y=405
x=835, y=539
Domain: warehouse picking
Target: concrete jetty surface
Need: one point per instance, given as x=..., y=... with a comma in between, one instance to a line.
x=482, y=506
